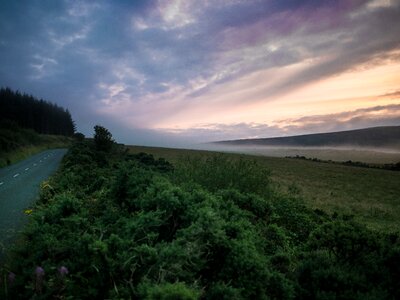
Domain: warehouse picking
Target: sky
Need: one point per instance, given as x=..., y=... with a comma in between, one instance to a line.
x=178, y=73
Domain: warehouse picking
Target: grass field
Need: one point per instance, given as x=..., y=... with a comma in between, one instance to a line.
x=371, y=195
x=366, y=155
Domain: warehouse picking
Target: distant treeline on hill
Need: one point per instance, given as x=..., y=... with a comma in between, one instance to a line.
x=29, y=112
x=392, y=167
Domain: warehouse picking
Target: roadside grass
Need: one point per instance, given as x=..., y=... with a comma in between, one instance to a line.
x=371, y=195
x=43, y=143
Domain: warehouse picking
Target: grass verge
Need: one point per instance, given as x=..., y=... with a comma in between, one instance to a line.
x=45, y=142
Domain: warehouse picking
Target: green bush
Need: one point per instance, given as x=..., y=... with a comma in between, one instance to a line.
x=135, y=228
x=168, y=291
x=103, y=139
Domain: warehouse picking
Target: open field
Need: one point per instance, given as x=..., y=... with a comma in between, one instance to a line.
x=366, y=155
x=372, y=195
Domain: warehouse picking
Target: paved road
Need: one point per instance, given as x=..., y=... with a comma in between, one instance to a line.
x=19, y=188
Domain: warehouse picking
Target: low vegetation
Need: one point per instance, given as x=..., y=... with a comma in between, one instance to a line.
x=392, y=167
x=17, y=143
x=371, y=195
x=116, y=225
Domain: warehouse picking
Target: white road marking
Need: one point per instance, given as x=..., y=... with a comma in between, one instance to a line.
x=26, y=169
x=35, y=164
x=16, y=175
x=1, y=183
x=40, y=161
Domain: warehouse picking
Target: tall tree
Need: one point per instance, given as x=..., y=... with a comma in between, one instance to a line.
x=103, y=138
x=29, y=112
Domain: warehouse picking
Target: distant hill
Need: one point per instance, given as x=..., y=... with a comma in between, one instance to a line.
x=377, y=137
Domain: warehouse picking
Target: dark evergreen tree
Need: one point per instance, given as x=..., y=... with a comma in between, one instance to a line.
x=103, y=138
x=31, y=113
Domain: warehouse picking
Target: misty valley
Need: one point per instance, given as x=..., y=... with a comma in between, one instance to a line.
x=116, y=222
x=132, y=222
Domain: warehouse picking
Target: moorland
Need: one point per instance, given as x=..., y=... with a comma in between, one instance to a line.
x=133, y=222
x=371, y=195
x=117, y=223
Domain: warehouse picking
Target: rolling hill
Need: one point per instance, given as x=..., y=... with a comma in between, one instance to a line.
x=376, y=137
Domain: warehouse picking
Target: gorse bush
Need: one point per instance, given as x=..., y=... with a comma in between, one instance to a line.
x=134, y=227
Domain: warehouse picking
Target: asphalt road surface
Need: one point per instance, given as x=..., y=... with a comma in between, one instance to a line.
x=19, y=188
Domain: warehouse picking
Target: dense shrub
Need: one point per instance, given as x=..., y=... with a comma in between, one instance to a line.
x=168, y=291
x=148, y=161
x=103, y=139
x=133, y=227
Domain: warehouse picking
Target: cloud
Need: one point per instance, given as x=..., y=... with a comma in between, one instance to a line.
x=359, y=37
x=394, y=95
x=145, y=64
x=388, y=115
x=216, y=132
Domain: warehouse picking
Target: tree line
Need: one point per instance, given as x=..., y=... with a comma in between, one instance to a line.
x=28, y=112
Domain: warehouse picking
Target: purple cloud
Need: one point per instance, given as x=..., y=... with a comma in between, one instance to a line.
x=158, y=59
x=388, y=115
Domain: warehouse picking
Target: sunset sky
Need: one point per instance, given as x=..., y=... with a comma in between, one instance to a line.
x=174, y=73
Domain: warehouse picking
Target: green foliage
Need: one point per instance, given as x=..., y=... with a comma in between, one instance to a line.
x=371, y=195
x=79, y=136
x=27, y=112
x=136, y=228
x=346, y=261
x=168, y=291
x=223, y=291
x=218, y=171
x=148, y=161
x=16, y=137
x=17, y=143
x=103, y=139
x=295, y=218
x=254, y=204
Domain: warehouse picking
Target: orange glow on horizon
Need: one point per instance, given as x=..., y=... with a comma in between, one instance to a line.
x=349, y=91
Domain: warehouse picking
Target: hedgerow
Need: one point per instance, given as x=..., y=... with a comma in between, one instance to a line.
x=122, y=226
